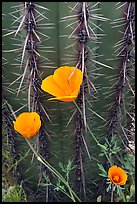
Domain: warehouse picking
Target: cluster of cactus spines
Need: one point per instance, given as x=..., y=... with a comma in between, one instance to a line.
x=130, y=64
x=123, y=53
x=82, y=37
x=80, y=33
x=28, y=21
x=17, y=170
x=120, y=107
x=10, y=133
x=130, y=129
x=83, y=33
x=35, y=81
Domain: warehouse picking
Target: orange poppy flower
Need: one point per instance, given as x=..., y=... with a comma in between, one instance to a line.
x=64, y=84
x=27, y=124
x=117, y=175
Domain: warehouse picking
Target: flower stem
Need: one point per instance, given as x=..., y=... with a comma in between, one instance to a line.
x=87, y=124
x=112, y=193
x=44, y=162
x=122, y=194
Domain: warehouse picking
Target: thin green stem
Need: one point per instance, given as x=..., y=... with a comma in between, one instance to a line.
x=92, y=134
x=122, y=194
x=86, y=124
x=112, y=193
x=101, y=146
x=57, y=174
x=109, y=159
x=17, y=162
x=63, y=192
x=44, y=162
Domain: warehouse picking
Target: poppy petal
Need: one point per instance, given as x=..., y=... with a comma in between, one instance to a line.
x=62, y=74
x=75, y=93
x=51, y=87
x=75, y=79
x=64, y=98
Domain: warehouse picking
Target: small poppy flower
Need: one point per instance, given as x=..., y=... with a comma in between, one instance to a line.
x=27, y=124
x=64, y=84
x=117, y=175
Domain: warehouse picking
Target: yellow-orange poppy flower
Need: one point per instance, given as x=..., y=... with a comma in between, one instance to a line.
x=27, y=124
x=117, y=175
x=64, y=84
